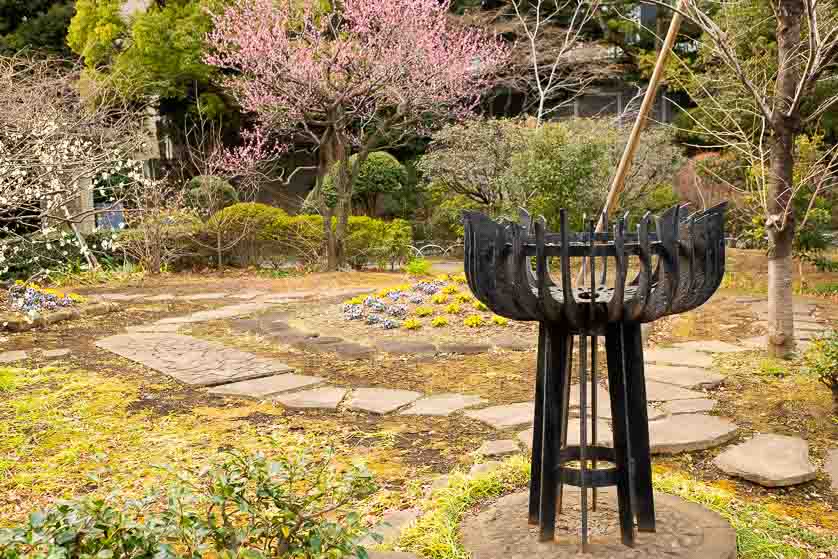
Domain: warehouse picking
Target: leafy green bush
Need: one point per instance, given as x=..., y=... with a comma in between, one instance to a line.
x=418, y=267
x=292, y=505
x=380, y=174
x=208, y=194
x=56, y=252
x=822, y=360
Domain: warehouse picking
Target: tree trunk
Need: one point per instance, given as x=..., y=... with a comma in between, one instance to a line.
x=333, y=150
x=781, y=220
x=218, y=249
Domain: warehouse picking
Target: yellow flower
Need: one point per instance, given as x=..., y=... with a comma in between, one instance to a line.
x=499, y=320
x=439, y=321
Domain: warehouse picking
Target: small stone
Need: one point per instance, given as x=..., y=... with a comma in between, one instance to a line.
x=351, y=351
x=831, y=468
x=160, y=298
x=204, y=296
x=484, y=468
x=679, y=357
x=442, y=404
x=267, y=386
x=769, y=460
x=12, y=356
x=662, y=392
x=514, y=344
x=689, y=432
x=118, y=296
x=464, y=349
x=686, y=377
x=381, y=400
x=405, y=348
x=314, y=344
x=53, y=353
x=391, y=526
x=509, y=415
x=503, y=447
x=700, y=405
x=326, y=398
x=710, y=346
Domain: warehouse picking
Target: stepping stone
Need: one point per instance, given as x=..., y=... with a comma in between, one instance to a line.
x=438, y=483
x=465, y=349
x=259, y=388
x=830, y=466
x=249, y=325
x=192, y=360
x=503, y=447
x=515, y=344
x=484, y=468
x=405, y=348
x=700, y=405
x=229, y=311
x=325, y=398
x=118, y=296
x=12, y=356
x=351, y=351
x=204, y=296
x=318, y=344
x=604, y=435
x=509, y=415
x=604, y=411
x=247, y=295
x=53, y=353
x=391, y=555
x=761, y=342
x=160, y=298
x=381, y=400
x=710, y=346
x=685, y=377
x=391, y=526
x=662, y=392
x=769, y=460
x=442, y=404
x=603, y=398
x=677, y=356
x=153, y=328
x=689, y=432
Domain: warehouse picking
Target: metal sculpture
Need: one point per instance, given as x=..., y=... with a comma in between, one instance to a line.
x=508, y=267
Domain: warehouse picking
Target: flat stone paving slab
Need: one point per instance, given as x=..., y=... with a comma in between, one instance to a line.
x=464, y=349
x=769, y=460
x=678, y=356
x=710, y=346
x=689, y=432
x=229, y=311
x=442, y=404
x=191, y=360
x=267, y=386
x=700, y=405
x=381, y=400
x=391, y=526
x=204, y=296
x=684, y=530
x=54, y=353
x=685, y=377
x=509, y=415
x=502, y=447
x=662, y=392
x=351, y=351
x=830, y=466
x=510, y=343
x=605, y=436
x=12, y=356
x=118, y=296
x=249, y=294
x=160, y=298
x=324, y=398
x=399, y=347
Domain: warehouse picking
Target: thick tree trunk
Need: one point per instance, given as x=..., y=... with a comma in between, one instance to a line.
x=781, y=219
x=333, y=150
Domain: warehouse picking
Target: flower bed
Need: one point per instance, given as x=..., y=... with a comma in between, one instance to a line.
x=30, y=305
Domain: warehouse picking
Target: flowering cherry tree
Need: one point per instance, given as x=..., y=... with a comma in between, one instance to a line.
x=367, y=75
x=56, y=144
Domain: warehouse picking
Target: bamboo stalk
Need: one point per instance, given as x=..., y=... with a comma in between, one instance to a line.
x=619, y=182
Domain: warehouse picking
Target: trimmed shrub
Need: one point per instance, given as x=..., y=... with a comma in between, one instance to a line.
x=208, y=194
x=380, y=174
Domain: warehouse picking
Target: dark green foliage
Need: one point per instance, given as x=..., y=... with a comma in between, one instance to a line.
x=822, y=361
x=58, y=252
x=247, y=505
x=35, y=25
x=207, y=194
x=380, y=174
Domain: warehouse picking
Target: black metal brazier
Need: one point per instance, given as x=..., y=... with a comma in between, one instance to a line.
x=679, y=264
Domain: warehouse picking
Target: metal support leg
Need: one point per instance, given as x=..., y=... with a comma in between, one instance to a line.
x=644, y=505
x=618, y=390
x=557, y=349
x=538, y=427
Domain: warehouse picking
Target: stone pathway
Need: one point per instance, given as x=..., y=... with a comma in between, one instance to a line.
x=676, y=379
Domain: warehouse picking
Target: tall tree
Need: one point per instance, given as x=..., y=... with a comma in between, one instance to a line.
x=772, y=83
x=367, y=75
x=38, y=26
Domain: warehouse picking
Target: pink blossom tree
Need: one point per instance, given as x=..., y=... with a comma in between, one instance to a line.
x=365, y=75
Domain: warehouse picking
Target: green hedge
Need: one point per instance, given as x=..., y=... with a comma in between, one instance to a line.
x=269, y=231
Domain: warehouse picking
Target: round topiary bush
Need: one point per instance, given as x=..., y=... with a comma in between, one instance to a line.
x=380, y=174
x=209, y=194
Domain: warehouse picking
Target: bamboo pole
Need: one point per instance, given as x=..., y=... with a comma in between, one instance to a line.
x=619, y=182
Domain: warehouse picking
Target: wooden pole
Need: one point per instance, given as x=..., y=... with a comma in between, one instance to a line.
x=619, y=182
